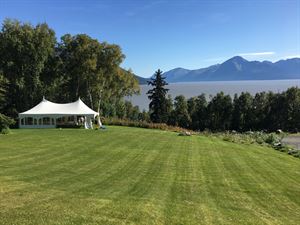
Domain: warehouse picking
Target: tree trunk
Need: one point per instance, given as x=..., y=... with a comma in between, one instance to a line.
x=90, y=94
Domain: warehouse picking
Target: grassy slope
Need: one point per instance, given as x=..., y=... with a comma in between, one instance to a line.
x=131, y=175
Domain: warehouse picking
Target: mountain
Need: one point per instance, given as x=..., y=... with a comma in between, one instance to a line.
x=238, y=68
x=176, y=74
x=141, y=80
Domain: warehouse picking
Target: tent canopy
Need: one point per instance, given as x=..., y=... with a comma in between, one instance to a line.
x=49, y=114
x=47, y=108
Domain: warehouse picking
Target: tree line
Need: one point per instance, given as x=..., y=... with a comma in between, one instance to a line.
x=264, y=111
x=33, y=64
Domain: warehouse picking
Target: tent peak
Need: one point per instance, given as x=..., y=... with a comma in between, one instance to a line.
x=51, y=108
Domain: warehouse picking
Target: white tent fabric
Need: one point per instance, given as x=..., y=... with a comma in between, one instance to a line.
x=55, y=110
x=46, y=107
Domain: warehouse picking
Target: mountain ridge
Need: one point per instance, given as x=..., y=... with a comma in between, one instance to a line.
x=238, y=68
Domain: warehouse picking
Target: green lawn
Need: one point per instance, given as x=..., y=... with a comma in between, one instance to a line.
x=138, y=176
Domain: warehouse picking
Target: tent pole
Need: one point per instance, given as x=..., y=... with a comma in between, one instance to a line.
x=85, y=123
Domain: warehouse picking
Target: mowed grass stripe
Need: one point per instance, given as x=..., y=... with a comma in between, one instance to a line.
x=63, y=157
x=258, y=187
x=229, y=185
x=128, y=171
x=137, y=176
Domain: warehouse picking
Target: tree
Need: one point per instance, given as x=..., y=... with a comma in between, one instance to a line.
x=198, y=112
x=243, y=116
x=5, y=122
x=79, y=54
x=33, y=64
x=24, y=51
x=169, y=109
x=277, y=111
x=120, y=109
x=157, y=96
x=132, y=112
x=3, y=88
x=54, y=79
x=219, y=112
x=181, y=114
x=293, y=109
x=92, y=71
x=192, y=109
x=260, y=111
x=144, y=116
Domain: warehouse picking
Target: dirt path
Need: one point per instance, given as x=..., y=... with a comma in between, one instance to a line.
x=292, y=140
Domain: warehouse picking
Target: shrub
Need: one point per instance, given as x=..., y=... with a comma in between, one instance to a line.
x=272, y=139
x=141, y=124
x=5, y=131
x=228, y=138
x=262, y=138
x=5, y=122
x=294, y=152
x=69, y=126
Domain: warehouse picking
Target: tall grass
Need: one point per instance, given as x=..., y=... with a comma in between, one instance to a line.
x=141, y=124
x=273, y=140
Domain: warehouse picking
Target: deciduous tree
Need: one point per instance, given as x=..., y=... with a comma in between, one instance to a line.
x=182, y=117
x=24, y=51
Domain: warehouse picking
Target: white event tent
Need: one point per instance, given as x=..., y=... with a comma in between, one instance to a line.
x=49, y=114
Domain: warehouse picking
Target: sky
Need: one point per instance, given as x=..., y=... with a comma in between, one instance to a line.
x=167, y=34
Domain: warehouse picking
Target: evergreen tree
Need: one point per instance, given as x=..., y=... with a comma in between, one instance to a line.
x=157, y=96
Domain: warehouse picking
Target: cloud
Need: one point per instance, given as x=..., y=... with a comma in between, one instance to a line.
x=80, y=8
x=153, y=4
x=249, y=55
x=214, y=59
x=256, y=54
x=145, y=7
x=291, y=56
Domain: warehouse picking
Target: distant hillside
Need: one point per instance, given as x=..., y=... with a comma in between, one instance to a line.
x=141, y=80
x=238, y=68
